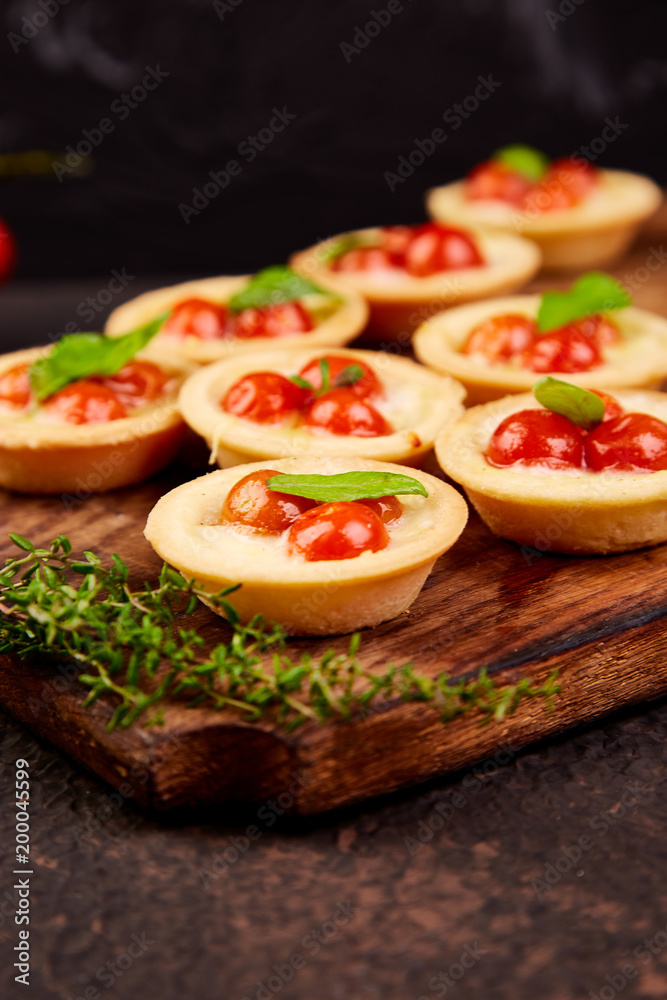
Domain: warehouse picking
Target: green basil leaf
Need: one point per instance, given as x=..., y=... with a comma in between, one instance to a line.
x=347, y=486
x=583, y=408
x=80, y=355
x=271, y=286
x=325, y=375
x=591, y=293
x=333, y=249
x=348, y=376
x=301, y=382
x=525, y=160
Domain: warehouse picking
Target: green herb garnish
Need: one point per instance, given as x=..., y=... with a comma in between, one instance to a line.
x=271, y=286
x=583, y=408
x=128, y=647
x=347, y=486
x=335, y=248
x=349, y=375
x=525, y=160
x=80, y=355
x=591, y=293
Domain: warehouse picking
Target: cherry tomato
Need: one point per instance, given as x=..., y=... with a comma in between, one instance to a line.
x=282, y=320
x=197, y=318
x=495, y=180
x=563, y=350
x=368, y=385
x=435, y=248
x=7, y=251
x=366, y=259
x=396, y=238
x=15, y=386
x=252, y=503
x=341, y=530
x=612, y=408
x=501, y=338
x=566, y=183
x=340, y=411
x=634, y=442
x=388, y=509
x=85, y=402
x=137, y=383
x=536, y=437
x=265, y=397
x=599, y=328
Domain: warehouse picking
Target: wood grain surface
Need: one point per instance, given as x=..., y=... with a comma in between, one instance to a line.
x=600, y=621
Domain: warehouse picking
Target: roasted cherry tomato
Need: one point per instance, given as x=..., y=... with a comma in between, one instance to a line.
x=536, y=437
x=340, y=530
x=501, y=338
x=366, y=259
x=563, y=350
x=368, y=385
x=250, y=502
x=265, y=397
x=341, y=411
x=15, y=386
x=197, y=318
x=85, y=402
x=634, y=442
x=388, y=509
x=435, y=248
x=496, y=181
x=137, y=383
x=282, y=320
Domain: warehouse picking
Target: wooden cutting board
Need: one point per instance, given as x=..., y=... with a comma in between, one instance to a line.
x=599, y=620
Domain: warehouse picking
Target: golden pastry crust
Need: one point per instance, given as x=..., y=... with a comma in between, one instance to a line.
x=343, y=324
x=418, y=404
x=578, y=512
x=39, y=456
x=639, y=362
x=307, y=598
x=399, y=302
x=593, y=234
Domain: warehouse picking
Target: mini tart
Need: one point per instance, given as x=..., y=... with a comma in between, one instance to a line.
x=399, y=302
x=593, y=234
x=338, y=322
x=307, y=598
x=578, y=512
x=640, y=361
x=418, y=404
x=40, y=456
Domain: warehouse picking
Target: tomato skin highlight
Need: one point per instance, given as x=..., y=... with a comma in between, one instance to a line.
x=562, y=350
x=281, y=320
x=197, y=318
x=493, y=180
x=137, y=383
x=15, y=387
x=388, y=509
x=435, y=248
x=265, y=397
x=501, y=338
x=85, y=402
x=368, y=386
x=251, y=503
x=340, y=530
x=341, y=411
x=634, y=442
x=536, y=437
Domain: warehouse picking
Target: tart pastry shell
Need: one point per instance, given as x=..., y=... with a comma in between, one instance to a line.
x=399, y=302
x=579, y=513
x=308, y=598
x=49, y=457
x=593, y=234
x=338, y=328
x=432, y=402
x=640, y=361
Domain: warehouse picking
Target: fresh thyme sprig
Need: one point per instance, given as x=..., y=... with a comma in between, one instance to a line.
x=130, y=646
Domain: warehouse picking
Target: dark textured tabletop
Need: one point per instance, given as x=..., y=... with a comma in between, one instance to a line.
x=540, y=875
